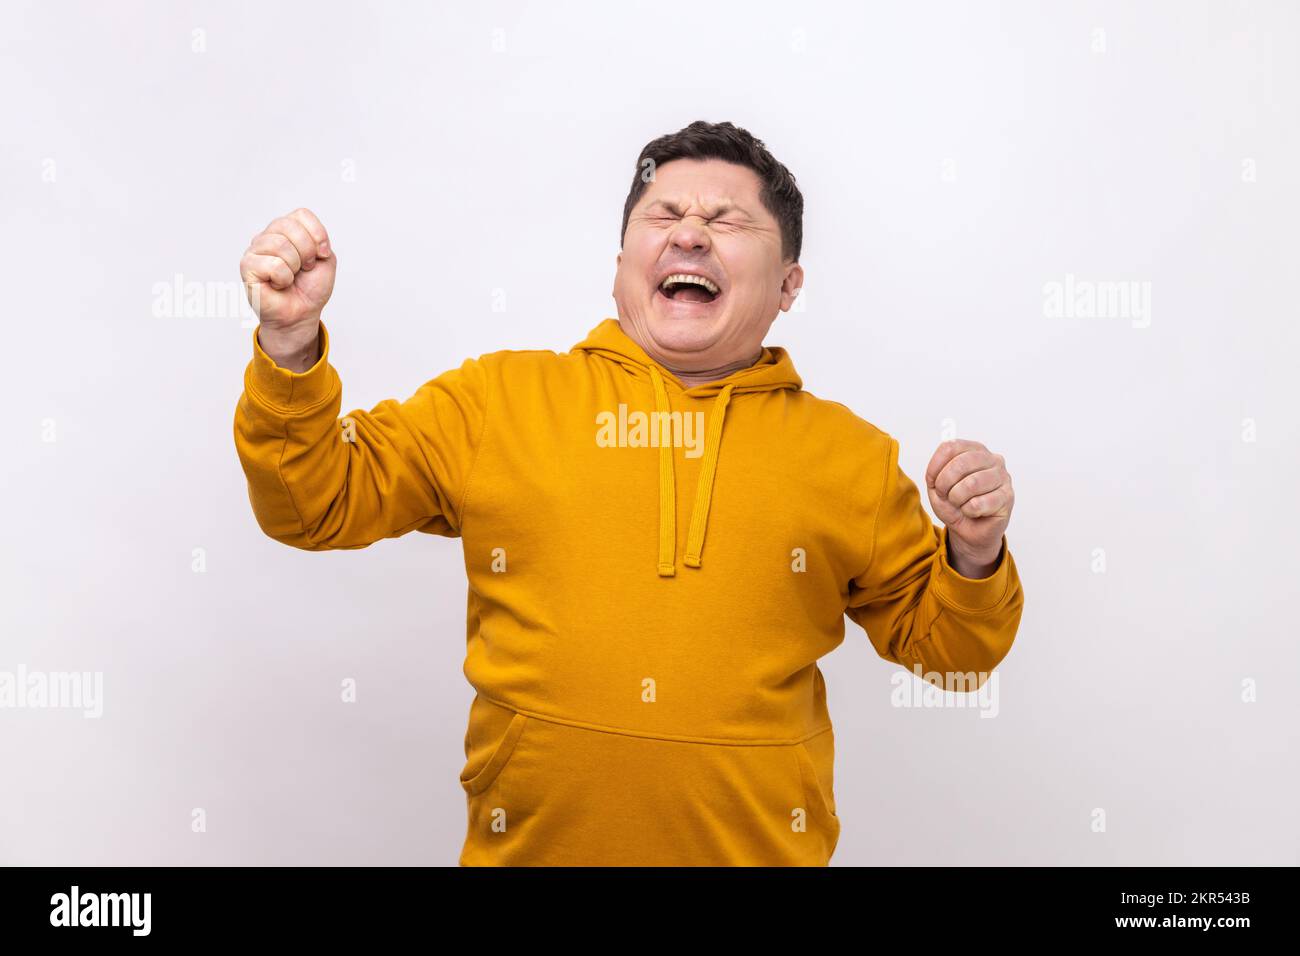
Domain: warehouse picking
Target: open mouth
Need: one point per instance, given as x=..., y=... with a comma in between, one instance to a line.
x=688, y=287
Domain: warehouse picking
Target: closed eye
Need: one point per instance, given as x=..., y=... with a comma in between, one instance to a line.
x=711, y=222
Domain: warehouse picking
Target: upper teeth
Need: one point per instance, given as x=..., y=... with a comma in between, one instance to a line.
x=680, y=277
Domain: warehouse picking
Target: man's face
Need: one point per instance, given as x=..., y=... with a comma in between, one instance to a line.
x=702, y=218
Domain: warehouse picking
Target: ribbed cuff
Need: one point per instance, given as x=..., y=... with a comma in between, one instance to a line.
x=971, y=594
x=284, y=389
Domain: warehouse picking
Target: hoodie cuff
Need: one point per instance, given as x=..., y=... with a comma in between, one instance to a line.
x=291, y=391
x=970, y=594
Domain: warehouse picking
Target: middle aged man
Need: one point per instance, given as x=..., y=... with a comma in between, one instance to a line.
x=644, y=696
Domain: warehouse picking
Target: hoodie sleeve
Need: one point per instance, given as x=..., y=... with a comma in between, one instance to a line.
x=916, y=608
x=318, y=482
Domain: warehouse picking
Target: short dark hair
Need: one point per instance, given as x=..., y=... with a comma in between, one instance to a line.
x=779, y=195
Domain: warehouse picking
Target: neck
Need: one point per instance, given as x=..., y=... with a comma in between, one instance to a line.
x=692, y=377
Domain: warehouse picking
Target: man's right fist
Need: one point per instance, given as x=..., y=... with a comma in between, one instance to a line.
x=288, y=272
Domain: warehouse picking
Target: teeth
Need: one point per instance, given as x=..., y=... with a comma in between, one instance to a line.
x=683, y=277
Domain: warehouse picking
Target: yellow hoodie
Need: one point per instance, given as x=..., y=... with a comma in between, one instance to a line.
x=654, y=571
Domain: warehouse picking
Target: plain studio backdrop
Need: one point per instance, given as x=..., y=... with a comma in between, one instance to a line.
x=973, y=174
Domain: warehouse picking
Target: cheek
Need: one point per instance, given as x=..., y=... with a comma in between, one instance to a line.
x=753, y=282
x=635, y=273
x=754, y=289
x=642, y=248
x=631, y=274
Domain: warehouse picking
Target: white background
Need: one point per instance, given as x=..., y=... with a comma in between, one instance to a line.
x=954, y=158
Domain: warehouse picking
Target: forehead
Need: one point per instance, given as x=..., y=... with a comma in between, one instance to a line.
x=709, y=182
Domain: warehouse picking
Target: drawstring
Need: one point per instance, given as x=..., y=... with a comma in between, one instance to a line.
x=667, y=489
x=704, y=489
x=668, y=484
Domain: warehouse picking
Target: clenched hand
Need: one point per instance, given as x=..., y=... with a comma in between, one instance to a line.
x=288, y=271
x=970, y=492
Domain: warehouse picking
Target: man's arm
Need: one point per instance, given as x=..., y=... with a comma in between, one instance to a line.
x=919, y=599
x=316, y=481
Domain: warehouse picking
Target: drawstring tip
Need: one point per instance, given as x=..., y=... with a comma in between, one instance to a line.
x=667, y=571
x=691, y=560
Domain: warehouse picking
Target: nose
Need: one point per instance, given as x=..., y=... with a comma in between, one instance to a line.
x=690, y=235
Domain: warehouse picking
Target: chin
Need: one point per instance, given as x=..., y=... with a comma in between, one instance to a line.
x=685, y=333
x=685, y=326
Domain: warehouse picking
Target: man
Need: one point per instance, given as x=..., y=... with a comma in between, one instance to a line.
x=644, y=696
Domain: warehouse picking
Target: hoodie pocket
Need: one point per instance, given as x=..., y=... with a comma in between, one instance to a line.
x=480, y=773
x=553, y=794
x=817, y=764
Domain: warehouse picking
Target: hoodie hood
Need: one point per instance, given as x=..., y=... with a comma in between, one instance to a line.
x=772, y=372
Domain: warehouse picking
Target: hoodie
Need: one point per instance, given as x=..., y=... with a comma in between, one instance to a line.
x=654, y=571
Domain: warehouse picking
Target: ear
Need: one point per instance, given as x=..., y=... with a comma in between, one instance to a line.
x=618, y=261
x=791, y=286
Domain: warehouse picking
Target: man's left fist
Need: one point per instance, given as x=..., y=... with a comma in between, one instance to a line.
x=970, y=492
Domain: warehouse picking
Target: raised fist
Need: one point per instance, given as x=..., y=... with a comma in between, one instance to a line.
x=970, y=492
x=288, y=272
